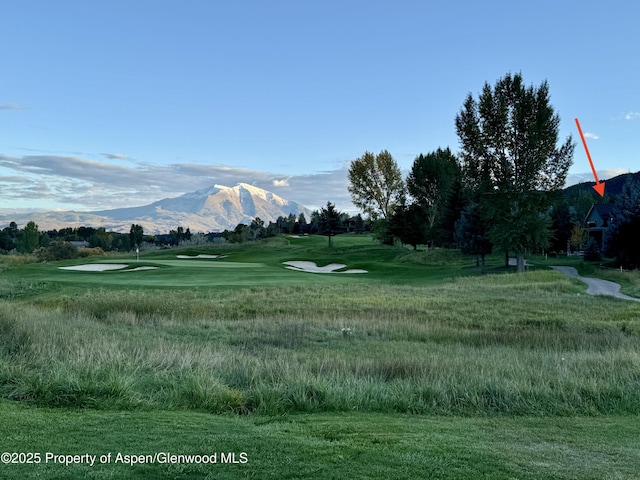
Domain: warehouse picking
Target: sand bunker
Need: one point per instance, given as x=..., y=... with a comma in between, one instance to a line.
x=96, y=267
x=303, y=266
x=103, y=267
x=200, y=256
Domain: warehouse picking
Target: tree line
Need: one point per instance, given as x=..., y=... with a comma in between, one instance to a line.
x=30, y=238
x=497, y=192
x=501, y=192
x=59, y=244
x=321, y=222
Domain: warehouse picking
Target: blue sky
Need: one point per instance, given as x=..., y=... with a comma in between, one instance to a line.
x=121, y=103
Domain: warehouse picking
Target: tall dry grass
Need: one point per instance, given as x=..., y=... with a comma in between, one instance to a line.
x=512, y=344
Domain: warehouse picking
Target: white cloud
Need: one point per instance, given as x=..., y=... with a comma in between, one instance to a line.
x=591, y=135
x=115, y=156
x=281, y=183
x=632, y=116
x=67, y=182
x=10, y=106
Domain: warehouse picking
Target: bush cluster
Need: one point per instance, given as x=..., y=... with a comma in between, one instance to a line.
x=58, y=250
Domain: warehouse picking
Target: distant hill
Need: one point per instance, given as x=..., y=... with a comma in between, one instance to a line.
x=613, y=188
x=210, y=210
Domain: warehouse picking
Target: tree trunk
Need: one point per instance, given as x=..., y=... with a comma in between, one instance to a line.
x=520, y=261
x=482, y=268
x=506, y=258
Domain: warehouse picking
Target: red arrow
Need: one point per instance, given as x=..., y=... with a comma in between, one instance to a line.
x=599, y=186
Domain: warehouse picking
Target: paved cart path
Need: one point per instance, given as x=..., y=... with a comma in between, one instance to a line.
x=597, y=286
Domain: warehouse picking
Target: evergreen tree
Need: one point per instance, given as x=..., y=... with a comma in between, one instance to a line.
x=407, y=224
x=136, y=234
x=472, y=234
x=330, y=224
x=622, y=238
x=358, y=224
x=562, y=226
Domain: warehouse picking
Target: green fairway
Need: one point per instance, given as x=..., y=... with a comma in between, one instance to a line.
x=420, y=368
x=260, y=265
x=320, y=446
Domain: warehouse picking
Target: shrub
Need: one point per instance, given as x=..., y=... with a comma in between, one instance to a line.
x=91, y=252
x=58, y=250
x=592, y=253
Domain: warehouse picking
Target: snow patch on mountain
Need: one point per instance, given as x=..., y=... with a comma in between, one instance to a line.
x=207, y=210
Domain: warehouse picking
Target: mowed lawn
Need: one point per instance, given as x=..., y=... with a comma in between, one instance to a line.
x=420, y=368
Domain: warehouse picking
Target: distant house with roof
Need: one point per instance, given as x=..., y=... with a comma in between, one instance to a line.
x=599, y=220
x=80, y=244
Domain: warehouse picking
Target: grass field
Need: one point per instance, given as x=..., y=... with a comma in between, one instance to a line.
x=420, y=365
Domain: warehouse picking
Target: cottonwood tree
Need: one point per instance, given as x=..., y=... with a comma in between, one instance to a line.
x=257, y=229
x=101, y=238
x=511, y=160
x=30, y=238
x=375, y=184
x=431, y=183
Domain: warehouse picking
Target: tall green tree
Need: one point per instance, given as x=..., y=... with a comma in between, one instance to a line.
x=176, y=235
x=562, y=225
x=257, y=229
x=330, y=223
x=358, y=224
x=431, y=183
x=30, y=238
x=375, y=184
x=511, y=160
x=302, y=220
x=471, y=234
x=101, y=238
x=452, y=212
x=136, y=234
x=407, y=224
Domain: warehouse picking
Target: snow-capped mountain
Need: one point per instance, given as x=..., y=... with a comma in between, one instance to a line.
x=210, y=210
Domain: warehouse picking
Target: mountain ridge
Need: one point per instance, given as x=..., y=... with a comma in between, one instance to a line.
x=211, y=209
x=613, y=187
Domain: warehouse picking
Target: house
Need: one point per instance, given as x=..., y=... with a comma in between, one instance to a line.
x=81, y=244
x=599, y=220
